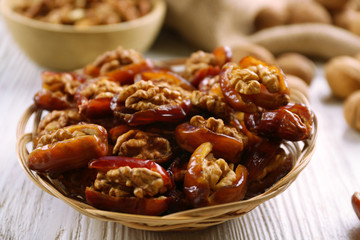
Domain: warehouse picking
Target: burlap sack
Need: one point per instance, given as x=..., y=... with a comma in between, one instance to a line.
x=210, y=23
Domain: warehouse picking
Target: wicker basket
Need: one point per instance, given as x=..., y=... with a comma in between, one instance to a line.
x=185, y=220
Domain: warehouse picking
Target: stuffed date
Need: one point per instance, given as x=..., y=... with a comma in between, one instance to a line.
x=227, y=141
x=129, y=185
x=68, y=148
x=210, y=181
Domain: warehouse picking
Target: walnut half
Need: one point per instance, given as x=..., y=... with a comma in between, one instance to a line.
x=114, y=59
x=247, y=80
x=59, y=119
x=100, y=88
x=139, y=144
x=145, y=95
x=217, y=126
x=197, y=61
x=126, y=181
x=211, y=103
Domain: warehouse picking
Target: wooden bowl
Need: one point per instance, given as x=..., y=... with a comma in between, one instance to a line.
x=63, y=48
x=199, y=218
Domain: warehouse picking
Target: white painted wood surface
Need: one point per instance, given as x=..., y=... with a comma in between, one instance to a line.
x=316, y=206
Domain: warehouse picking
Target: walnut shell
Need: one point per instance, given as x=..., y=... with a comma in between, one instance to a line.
x=297, y=65
x=306, y=12
x=357, y=56
x=271, y=16
x=249, y=49
x=345, y=16
x=354, y=25
x=297, y=83
x=343, y=75
x=352, y=110
x=333, y=4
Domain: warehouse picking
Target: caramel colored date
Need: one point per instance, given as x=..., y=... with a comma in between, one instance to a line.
x=355, y=201
x=69, y=148
x=292, y=122
x=266, y=162
x=210, y=181
x=190, y=137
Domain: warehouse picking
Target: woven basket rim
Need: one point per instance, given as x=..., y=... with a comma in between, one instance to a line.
x=185, y=220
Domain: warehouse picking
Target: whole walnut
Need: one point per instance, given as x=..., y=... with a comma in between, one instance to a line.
x=242, y=50
x=298, y=84
x=346, y=16
x=271, y=16
x=354, y=25
x=343, y=75
x=306, y=12
x=352, y=110
x=298, y=65
x=333, y=4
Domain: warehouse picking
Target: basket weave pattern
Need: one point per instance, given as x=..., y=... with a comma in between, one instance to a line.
x=186, y=220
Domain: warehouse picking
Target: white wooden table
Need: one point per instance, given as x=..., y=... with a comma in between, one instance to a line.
x=316, y=206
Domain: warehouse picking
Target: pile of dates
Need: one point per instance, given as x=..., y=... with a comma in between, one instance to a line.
x=126, y=135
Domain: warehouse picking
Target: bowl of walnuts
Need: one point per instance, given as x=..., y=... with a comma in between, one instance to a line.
x=172, y=145
x=66, y=35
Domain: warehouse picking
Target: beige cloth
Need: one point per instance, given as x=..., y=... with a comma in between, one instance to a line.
x=210, y=23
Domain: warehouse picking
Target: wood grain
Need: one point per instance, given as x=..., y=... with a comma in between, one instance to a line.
x=316, y=206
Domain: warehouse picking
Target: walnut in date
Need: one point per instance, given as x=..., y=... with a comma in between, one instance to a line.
x=218, y=172
x=59, y=119
x=211, y=103
x=139, y=144
x=126, y=181
x=100, y=88
x=217, y=126
x=145, y=95
x=247, y=80
x=58, y=135
x=56, y=120
x=62, y=83
x=165, y=83
x=197, y=61
x=113, y=59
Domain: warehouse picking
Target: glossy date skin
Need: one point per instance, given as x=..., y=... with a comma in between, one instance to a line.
x=163, y=75
x=124, y=74
x=90, y=106
x=222, y=55
x=57, y=90
x=355, y=201
x=46, y=99
x=249, y=103
x=74, y=182
x=70, y=153
x=95, y=108
x=266, y=163
x=190, y=137
x=145, y=206
x=117, y=131
x=232, y=97
x=197, y=189
x=107, y=163
x=133, y=205
x=293, y=122
x=162, y=114
x=252, y=61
